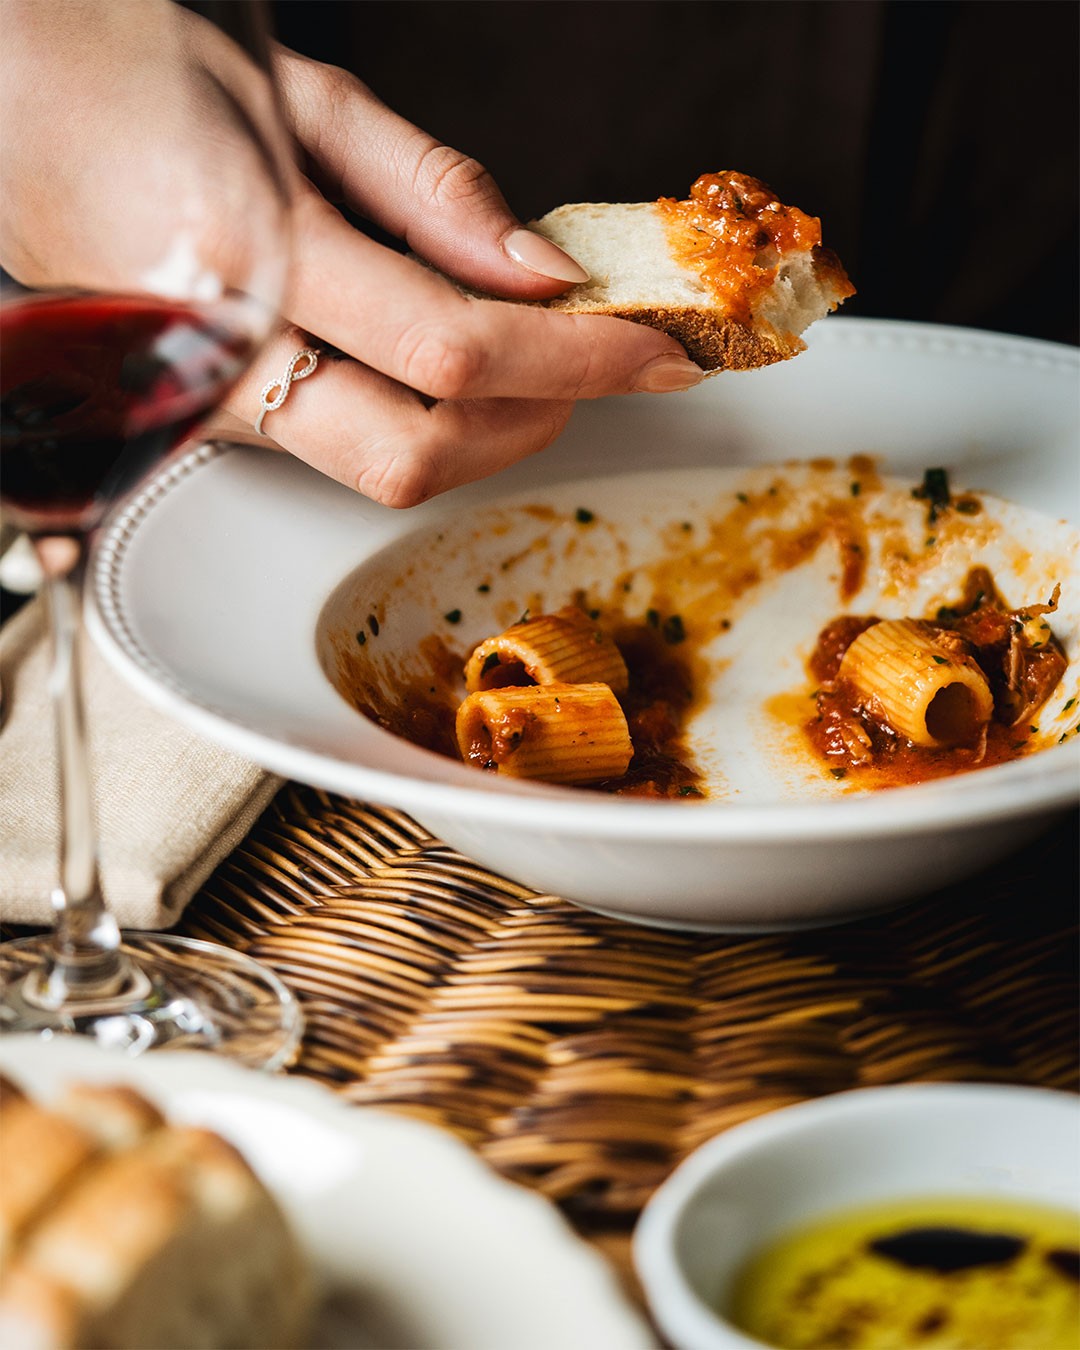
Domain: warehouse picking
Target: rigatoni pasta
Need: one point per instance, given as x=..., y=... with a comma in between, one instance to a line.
x=921, y=681
x=560, y=733
x=554, y=699
x=566, y=647
x=905, y=700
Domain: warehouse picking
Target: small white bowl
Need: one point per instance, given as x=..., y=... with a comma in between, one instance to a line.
x=757, y=1181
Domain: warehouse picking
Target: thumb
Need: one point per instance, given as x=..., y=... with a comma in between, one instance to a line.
x=444, y=204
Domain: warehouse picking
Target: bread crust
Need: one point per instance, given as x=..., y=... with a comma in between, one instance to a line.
x=41, y=1155
x=713, y=341
x=134, y=1231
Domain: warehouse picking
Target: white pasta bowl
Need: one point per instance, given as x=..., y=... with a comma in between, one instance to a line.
x=870, y=1147
x=302, y=598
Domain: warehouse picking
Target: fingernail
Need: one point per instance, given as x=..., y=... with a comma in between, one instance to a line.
x=666, y=374
x=540, y=255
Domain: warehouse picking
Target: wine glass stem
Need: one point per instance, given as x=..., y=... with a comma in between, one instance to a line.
x=88, y=963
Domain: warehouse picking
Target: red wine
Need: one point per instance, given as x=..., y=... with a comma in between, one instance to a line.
x=96, y=389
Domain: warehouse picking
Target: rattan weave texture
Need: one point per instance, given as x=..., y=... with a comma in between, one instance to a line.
x=585, y=1056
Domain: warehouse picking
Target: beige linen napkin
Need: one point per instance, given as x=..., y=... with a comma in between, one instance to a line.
x=170, y=805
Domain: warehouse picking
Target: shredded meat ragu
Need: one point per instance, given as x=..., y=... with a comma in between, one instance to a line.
x=655, y=705
x=833, y=641
x=1022, y=671
x=1022, y=675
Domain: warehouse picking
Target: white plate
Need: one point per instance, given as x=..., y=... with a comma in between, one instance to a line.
x=208, y=589
x=417, y=1244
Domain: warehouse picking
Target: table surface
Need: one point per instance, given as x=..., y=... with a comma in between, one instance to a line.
x=585, y=1056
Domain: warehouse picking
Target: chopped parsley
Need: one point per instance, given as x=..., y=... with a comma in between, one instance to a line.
x=453, y=616
x=583, y=517
x=935, y=490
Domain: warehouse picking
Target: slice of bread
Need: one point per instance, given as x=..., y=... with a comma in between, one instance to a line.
x=731, y=272
x=130, y=1231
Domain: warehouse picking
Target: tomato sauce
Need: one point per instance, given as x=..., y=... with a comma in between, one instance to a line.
x=733, y=230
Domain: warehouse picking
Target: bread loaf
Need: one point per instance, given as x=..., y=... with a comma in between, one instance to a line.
x=119, y=1229
x=731, y=272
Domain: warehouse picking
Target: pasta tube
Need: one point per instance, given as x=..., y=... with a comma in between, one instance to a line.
x=556, y=732
x=562, y=648
x=929, y=690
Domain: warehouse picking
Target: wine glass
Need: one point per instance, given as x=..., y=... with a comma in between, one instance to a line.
x=142, y=297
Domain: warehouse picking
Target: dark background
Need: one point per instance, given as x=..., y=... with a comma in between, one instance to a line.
x=938, y=142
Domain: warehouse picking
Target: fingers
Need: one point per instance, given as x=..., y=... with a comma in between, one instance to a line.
x=444, y=204
x=385, y=440
x=406, y=321
x=444, y=387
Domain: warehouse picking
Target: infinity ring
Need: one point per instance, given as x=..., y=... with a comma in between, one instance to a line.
x=300, y=366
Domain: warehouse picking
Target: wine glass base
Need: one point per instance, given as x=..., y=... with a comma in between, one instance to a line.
x=197, y=996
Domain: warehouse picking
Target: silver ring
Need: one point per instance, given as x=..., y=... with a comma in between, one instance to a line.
x=293, y=372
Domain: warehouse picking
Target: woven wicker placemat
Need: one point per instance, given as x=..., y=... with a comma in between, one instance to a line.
x=584, y=1056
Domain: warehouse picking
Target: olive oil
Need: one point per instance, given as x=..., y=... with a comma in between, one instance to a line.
x=958, y=1273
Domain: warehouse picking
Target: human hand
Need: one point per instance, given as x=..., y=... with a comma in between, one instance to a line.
x=438, y=388
x=139, y=153
x=443, y=388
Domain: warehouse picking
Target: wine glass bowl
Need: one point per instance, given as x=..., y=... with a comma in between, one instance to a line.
x=97, y=389
x=157, y=276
